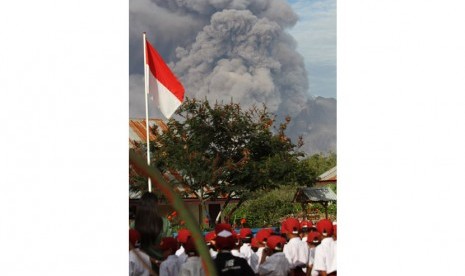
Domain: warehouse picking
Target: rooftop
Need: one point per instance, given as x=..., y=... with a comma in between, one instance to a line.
x=314, y=194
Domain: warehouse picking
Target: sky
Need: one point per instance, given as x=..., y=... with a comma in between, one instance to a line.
x=316, y=37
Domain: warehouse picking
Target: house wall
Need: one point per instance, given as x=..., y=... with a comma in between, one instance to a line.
x=193, y=206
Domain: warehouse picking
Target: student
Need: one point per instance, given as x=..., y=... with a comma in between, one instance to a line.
x=193, y=265
x=305, y=227
x=237, y=245
x=226, y=264
x=262, y=236
x=183, y=235
x=210, y=242
x=313, y=241
x=326, y=253
x=139, y=262
x=274, y=262
x=254, y=244
x=170, y=265
x=296, y=251
x=252, y=259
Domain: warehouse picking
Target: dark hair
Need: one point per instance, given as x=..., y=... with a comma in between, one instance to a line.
x=148, y=222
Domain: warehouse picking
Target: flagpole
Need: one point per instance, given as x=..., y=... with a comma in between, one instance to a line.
x=146, y=86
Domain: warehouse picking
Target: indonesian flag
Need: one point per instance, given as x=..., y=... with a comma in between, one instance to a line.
x=167, y=90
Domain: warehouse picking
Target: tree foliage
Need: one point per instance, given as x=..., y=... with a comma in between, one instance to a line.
x=320, y=163
x=222, y=150
x=268, y=208
x=257, y=210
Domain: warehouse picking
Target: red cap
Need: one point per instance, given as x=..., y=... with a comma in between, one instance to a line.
x=223, y=226
x=254, y=242
x=290, y=225
x=210, y=236
x=276, y=242
x=224, y=240
x=306, y=224
x=263, y=234
x=325, y=227
x=134, y=237
x=313, y=237
x=183, y=234
x=169, y=243
x=245, y=233
x=189, y=246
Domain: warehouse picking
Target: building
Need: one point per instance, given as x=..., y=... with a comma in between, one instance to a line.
x=321, y=193
x=327, y=178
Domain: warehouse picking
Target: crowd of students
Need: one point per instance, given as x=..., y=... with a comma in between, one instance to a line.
x=299, y=248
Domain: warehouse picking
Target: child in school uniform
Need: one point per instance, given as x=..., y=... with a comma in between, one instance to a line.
x=296, y=251
x=254, y=245
x=326, y=253
x=252, y=259
x=226, y=264
x=210, y=242
x=305, y=227
x=274, y=262
x=313, y=241
x=139, y=261
x=183, y=235
x=193, y=265
x=170, y=265
x=261, y=236
x=237, y=245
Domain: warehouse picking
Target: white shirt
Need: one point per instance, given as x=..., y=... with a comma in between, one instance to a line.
x=250, y=256
x=326, y=256
x=170, y=266
x=182, y=256
x=259, y=256
x=311, y=256
x=136, y=268
x=297, y=253
x=236, y=253
x=192, y=267
x=311, y=260
x=180, y=251
x=213, y=253
x=275, y=265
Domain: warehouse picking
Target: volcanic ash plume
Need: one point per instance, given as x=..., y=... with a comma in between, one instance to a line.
x=246, y=58
x=237, y=49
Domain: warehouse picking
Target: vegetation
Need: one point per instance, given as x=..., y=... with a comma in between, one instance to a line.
x=256, y=212
x=223, y=150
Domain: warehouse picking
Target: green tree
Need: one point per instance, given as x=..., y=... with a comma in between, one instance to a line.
x=224, y=150
x=257, y=210
x=267, y=209
x=320, y=163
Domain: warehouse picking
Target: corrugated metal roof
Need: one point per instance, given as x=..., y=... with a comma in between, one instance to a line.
x=138, y=130
x=330, y=174
x=314, y=194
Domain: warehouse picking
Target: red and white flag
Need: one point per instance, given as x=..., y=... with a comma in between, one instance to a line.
x=168, y=92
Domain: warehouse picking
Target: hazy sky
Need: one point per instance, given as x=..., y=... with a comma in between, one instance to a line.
x=315, y=33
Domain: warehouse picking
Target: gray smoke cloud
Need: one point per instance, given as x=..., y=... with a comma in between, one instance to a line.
x=230, y=49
